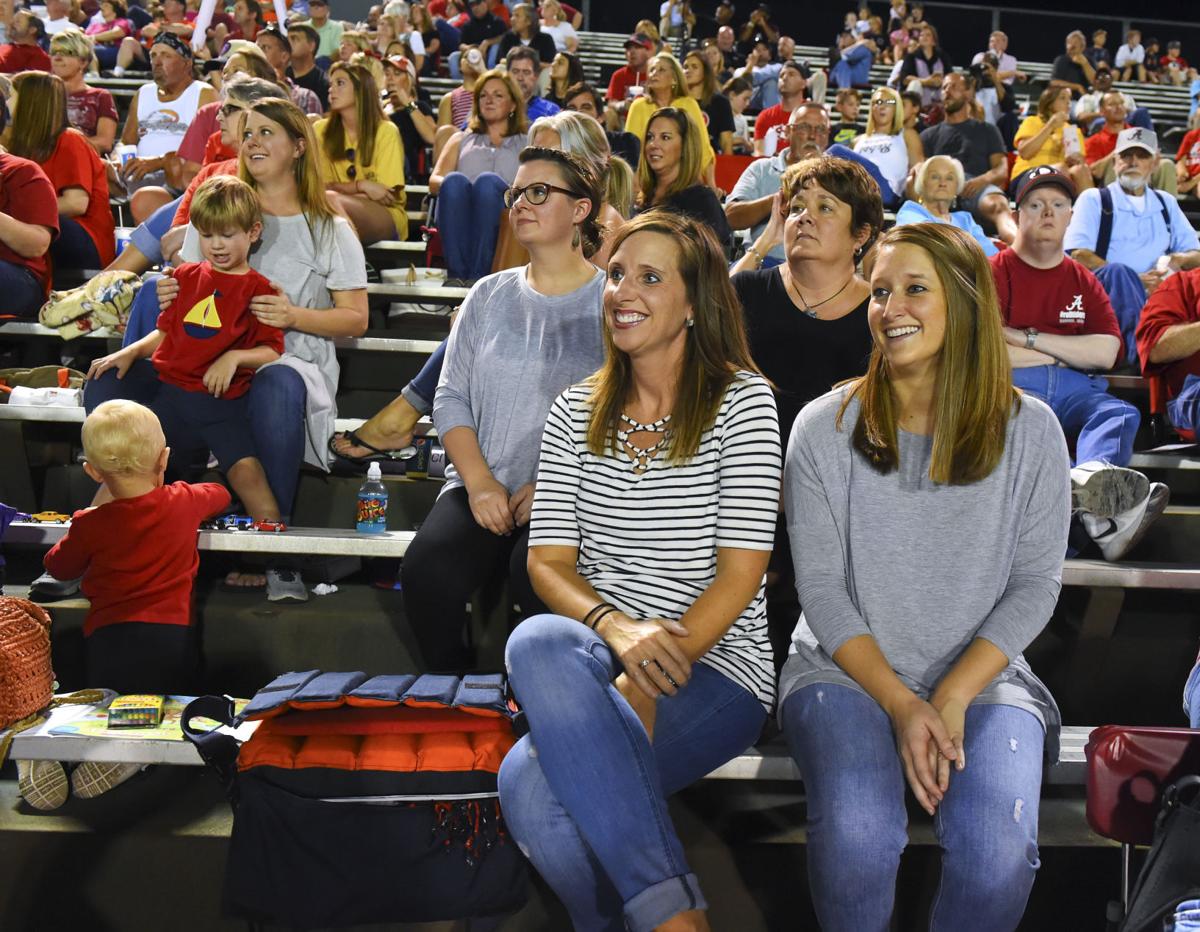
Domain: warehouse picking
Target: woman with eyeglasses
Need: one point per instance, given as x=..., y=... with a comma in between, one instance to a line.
x=523, y=336
x=362, y=157
x=476, y=166
x=670, y=172
x=91, y=110
x=889, y=145
x=657, y=489
x=386, y=437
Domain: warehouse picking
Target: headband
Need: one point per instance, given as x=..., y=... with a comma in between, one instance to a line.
x=175, y=43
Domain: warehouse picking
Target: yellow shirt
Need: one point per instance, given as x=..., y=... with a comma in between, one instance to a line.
x=1051, y=152
x=640, y=111
x=387, y=167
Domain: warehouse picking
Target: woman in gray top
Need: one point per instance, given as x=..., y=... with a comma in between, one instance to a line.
x=473, y=170
x=523, y=336
x=927, y=508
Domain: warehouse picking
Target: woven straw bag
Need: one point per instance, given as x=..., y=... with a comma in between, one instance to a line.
x=26, y=679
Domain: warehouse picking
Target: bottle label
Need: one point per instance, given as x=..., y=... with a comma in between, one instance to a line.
x=372, y=513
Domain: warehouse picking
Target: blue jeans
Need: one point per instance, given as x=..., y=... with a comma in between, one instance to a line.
x=74, y=248
x=276, y=402
x=844, y=745
x=1191, y=696
x=1104, y=426
x=147, y=236
x=468, y=221
x=1187, y=915
x=420, y=391
x=1127, y=294
x=143, y=313
x=852, y=69
x=1183, y=411
x=584, y=793
x=23, y=293
x=890, y=200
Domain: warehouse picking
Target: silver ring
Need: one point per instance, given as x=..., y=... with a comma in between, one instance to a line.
x=645, y=663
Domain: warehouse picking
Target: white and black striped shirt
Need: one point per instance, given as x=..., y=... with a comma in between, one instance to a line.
x=648, y=542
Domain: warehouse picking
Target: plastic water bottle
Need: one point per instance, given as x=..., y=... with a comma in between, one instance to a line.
x=372, y=503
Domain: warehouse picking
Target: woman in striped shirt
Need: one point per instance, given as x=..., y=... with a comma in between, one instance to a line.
x=653, y=518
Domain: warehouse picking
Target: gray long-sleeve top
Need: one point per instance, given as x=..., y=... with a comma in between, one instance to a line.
x=921, y=567
x=512, y=351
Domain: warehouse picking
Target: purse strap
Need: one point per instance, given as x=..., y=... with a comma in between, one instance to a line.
x=217, y=749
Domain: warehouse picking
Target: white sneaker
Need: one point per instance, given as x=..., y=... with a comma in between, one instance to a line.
x=118, y=71
x=285, y=584
x=1106, y=491
x=43, y=783
x=1117, y=535
x=93, y=778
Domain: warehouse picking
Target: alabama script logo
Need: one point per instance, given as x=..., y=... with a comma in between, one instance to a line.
x=1073, y=313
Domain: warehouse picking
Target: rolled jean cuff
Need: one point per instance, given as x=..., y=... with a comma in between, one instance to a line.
x=409, y=394
x=655, y=905
x=147, y=243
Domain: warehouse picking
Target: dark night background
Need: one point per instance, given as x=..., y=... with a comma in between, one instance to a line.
x=963, y=26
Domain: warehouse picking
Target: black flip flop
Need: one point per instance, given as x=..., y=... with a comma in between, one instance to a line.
x=391, y=462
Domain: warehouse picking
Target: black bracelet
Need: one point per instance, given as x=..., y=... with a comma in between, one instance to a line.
x=604, y=614
x=595, y=608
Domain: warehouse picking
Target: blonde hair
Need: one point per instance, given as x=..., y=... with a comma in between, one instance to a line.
x=622, y=184
x=679, y=87
x=897, y=112
x=225, y=202
x=123, y=438
x=973, y=394
x=310, y=189
x=517, y=121
x=73, y=43
x=716, y=347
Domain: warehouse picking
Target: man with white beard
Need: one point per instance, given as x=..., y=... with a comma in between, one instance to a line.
x=1130, y=235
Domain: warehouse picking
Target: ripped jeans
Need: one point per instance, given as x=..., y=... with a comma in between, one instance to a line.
x=854, y=781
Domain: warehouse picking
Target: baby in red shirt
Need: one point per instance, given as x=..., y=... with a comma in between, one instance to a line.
x=137, y=556
x=207, y=344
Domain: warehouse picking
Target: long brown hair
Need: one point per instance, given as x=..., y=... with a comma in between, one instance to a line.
x=367, y=111
x=708, y=80
x=41, y=115
x=716, y=347
x=310, y=188
x=692, y=153
x=974, y=394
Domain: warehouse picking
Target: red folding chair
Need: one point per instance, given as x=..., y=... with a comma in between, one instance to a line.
x=729, y=169
x=1129, y=767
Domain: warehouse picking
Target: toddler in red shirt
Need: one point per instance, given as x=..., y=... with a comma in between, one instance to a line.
x=208, y=343
x=136, y=553
x=137, y=556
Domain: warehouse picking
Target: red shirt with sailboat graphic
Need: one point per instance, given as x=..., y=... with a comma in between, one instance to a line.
x=211, y=316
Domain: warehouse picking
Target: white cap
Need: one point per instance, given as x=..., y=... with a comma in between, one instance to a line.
x=374, y=472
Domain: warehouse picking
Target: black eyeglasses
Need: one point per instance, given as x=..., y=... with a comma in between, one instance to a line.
x=352, y=171
x=228, y=110
x=535, y=193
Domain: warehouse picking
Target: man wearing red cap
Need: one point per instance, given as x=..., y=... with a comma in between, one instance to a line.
x=638, y=49
x=1061, y=334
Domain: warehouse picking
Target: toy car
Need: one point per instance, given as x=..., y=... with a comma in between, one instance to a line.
x=270, y=526
x=50, y=517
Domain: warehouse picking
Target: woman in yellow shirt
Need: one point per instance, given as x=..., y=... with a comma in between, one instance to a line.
x=1048, y=138
x=666, y=86
x=362, y=157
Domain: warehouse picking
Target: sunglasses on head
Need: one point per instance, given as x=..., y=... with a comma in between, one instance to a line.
x=352, y=171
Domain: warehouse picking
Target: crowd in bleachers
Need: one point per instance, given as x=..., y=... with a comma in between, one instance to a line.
x=719, y=425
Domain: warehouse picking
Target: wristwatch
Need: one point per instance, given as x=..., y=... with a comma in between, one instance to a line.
x=1030, y=337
